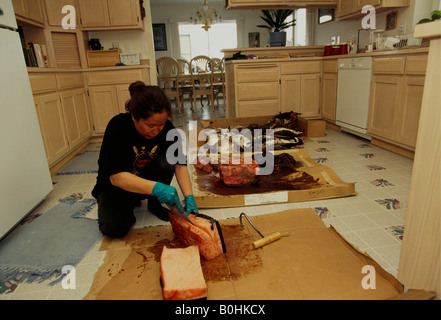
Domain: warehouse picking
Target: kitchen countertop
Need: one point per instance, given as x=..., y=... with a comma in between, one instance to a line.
x=357, y=55
x=43, y=70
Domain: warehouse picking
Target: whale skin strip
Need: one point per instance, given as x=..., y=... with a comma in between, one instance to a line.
x=181, y=274
x=205, y=233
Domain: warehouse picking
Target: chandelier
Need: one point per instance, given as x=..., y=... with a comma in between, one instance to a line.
x=205, y=16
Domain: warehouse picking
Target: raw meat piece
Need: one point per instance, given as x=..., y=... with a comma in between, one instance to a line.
x=238, y=175
x=232, y=175
x=181, y=274
x=205, y=232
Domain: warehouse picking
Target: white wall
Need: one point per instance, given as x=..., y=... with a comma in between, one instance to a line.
x=407, y=17
x=247, y=20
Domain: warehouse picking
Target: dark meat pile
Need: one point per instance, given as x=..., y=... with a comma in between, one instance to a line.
x=286, y=135
x=284, y=161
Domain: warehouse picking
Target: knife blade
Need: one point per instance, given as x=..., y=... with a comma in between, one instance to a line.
x=179, y=213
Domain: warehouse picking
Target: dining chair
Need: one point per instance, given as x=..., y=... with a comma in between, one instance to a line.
x=185, y=85
x=167, y=72
x=202, y=79
x=218, y=69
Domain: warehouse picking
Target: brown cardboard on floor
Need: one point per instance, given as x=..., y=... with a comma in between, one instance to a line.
x=310, y=262
x=212, y=194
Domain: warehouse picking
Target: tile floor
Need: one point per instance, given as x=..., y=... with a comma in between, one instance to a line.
x=373, y=220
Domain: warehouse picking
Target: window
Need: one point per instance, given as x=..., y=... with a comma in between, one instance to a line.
x=196, y=41
x=300, y=28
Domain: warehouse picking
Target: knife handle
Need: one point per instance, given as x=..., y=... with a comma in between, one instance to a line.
x=264, y=241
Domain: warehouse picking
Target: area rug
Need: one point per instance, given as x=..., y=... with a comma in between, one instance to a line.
x=85, y=162
x=310, y=261
x=39, y=250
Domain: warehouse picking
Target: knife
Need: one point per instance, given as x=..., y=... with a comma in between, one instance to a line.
x=179, y=213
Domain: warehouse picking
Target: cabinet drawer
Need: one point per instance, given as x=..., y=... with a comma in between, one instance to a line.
x=69, y=80
x=258, y=73
x=258, y=108
x=416, y=65
x=43, y=82
x=330, y=66
x=114, y=77
x=392, y=65
x=301, y=67
x=256, y=91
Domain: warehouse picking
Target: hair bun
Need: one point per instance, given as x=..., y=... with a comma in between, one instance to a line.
x=134, y=87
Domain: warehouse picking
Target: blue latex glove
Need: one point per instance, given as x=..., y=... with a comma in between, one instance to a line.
x=190, y=205
x=167, y=195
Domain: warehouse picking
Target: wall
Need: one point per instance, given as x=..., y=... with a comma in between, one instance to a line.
x=172, y=15
x=407, y=17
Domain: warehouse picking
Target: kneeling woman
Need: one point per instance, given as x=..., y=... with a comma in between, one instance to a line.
x=133, y=165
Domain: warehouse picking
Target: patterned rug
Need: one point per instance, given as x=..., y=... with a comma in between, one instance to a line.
x=39, y=250
x=85, y=162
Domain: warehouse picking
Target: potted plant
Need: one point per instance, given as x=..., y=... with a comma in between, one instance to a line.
x=276, y=22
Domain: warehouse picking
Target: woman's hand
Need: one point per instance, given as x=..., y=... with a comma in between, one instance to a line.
x=167, y=195
x=190, y=205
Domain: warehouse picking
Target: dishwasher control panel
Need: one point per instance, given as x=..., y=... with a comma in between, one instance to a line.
x=364, y=63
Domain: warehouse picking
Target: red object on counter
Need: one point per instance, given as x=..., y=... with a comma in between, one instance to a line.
x=328, y=50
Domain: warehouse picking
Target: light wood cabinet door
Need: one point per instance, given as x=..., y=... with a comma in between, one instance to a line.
x=35, y=11
x=385, y=96
x=70, y=118
x=82, y=111
x=103, y=102
x=29, y=10
x=51, y=119
x=362, y=3
x=124, y=12
x=76, y=116
x=53, y=11
x=20, y=7
x=346, y=7
x=329, y=96
x=291, y=93
x=409, y=108
x=94, y=13
x=301, y=93
x=123, y=95
x=310, y=95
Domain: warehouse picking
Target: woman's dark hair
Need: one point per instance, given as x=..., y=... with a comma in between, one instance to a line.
x=147, y=100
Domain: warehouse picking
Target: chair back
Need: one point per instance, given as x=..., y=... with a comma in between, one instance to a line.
x=167, y=69
x=184, y=66
x=200, y=64
x=217, y=65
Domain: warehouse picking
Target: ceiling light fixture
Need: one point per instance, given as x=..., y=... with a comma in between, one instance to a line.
x=205, y=16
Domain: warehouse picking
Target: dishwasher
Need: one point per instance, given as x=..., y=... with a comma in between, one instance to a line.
x=353, y=95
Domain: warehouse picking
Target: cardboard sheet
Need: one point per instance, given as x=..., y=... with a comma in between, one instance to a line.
x=209, y=192
x=311, y=261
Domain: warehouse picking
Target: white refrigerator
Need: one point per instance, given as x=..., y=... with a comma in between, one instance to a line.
x=24, y=174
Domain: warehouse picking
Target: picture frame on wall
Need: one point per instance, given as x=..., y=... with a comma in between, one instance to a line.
x=325, y=15
x=159, y=37
x=392, y=20
x=253, y=39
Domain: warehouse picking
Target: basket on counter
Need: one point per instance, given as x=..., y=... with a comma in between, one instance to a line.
x=103, y=58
